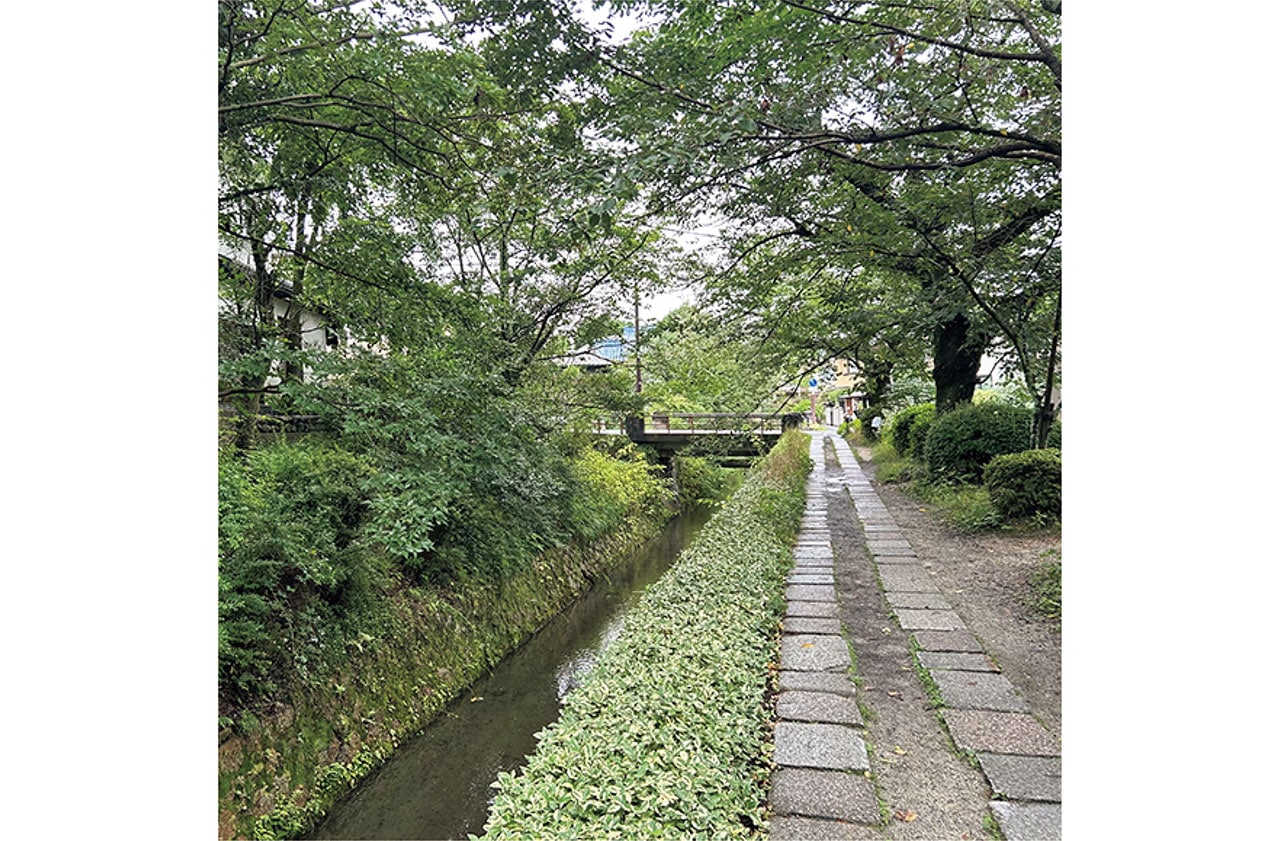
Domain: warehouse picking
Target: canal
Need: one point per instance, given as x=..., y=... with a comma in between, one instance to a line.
x=438, y=784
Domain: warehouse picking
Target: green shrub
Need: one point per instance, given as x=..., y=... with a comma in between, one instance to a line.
x=700, y=481
x=1026, y=484
x=897, y=431
x=668, y=735
x=962, y=441
x=607, y=489
x=918, y=435
x=289, y=565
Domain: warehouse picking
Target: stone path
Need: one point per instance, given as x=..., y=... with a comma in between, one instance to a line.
x=822, y=787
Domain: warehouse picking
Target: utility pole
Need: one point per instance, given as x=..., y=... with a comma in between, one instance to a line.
x=637, y=339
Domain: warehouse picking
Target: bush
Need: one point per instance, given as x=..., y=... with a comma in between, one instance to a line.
x=918, y=433
x=897, y=432
x=668, y=735
x=962, y=441
x=288, y=559
x=1026, y=484
x=607, y=489
x=700, y=481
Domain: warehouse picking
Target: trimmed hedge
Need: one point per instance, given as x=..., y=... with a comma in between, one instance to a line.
x=669, y=734
x=918, y=434
x=1026, y=484
x=962, y=441
x=897, y=432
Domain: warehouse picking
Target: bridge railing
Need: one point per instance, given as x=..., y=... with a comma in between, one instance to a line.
x=719, y=422
x=701, y=422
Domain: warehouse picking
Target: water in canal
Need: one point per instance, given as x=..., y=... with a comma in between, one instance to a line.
x=437, y=785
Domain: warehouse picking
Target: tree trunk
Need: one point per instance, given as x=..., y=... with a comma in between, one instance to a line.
x=1045, y=408
x=957, y=357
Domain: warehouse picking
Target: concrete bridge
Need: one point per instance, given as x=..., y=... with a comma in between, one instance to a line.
x=723, y=436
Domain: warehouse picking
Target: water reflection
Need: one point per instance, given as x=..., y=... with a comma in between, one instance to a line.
x=439, y=784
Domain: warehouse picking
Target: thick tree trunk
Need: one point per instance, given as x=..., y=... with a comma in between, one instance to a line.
x=957, y=357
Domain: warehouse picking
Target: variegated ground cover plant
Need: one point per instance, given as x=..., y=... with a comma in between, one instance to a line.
x=669, y=736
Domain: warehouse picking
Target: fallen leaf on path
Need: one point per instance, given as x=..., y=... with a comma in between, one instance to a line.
x=905, y=815
x=899, y=751
x=894, y=693
x=806, y=645
x=477, y=698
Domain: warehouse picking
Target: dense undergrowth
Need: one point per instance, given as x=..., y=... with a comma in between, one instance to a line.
x=358, y=592
x=668, y=736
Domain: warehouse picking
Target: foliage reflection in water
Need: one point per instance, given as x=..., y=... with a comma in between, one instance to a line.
x=437, y=786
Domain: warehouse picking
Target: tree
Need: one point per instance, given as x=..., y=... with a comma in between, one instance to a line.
x=924, y=139
x=696, y=362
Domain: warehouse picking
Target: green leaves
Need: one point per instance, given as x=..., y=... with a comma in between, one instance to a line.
x=667, y=736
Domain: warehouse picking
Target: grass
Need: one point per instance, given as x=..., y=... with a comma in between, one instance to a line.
x=967, y=508
x=990, y=826
x=1046, y=585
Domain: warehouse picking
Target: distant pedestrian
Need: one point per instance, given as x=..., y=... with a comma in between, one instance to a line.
x=876, y=423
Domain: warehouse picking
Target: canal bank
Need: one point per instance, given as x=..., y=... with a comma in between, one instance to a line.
x=439, y=783
x=281, y=775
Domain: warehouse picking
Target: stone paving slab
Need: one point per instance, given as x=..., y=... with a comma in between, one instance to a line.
x=821, y=610
x=888, y=547
x=829, y=682
x=881, y=533
x=825, y=553
x=810, y=592
x=898, y=560
x=831, y=746
x=958, y=661
x=810, y=578
x=929, y=620
x=809, y=625
x=978, y=691
x=947, y=641
x=918, y=601
x=812, y=566
x=791, y=828
x=907, y=580
x=802, y=705
x=1037, y=778
x=882, y=555
x=823, y=794
x=815, y=653
x=999, y=732
x=1028, y=821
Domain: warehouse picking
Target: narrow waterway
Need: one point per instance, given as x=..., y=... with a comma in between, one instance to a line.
x=438, y=785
